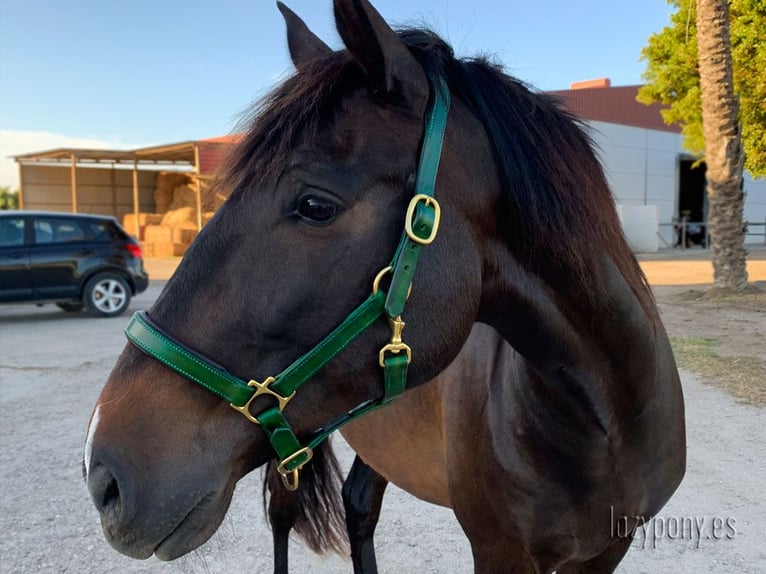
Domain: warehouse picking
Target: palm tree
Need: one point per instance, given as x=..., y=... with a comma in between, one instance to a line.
x=723, y=148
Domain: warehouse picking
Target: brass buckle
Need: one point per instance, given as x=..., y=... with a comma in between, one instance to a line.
x=290, y=478
x=411, y=211
x=261, y=389
x=395, y=345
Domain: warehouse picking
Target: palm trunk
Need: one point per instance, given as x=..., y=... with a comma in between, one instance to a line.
x=723, y=148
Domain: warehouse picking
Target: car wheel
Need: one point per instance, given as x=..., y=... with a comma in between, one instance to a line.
x=71, y=307
x=106, y=295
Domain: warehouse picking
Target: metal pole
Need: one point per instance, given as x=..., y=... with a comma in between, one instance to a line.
x=135, y=199
x=198, y=187
x=73, y=157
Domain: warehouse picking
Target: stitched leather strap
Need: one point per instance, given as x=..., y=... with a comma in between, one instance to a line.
x=301, y=370
x=147, y=336
x=406, y=257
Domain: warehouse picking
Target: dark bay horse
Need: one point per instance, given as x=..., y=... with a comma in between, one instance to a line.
x=508, y=221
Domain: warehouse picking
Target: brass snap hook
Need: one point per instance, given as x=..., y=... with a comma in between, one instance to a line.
x=396, y=345
x=290, y=477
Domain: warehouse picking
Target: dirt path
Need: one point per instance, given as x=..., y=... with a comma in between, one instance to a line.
x=52, y=366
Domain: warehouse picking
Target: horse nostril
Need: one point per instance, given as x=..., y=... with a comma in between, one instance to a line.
x=104, y=489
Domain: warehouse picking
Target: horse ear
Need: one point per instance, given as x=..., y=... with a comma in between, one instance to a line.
x=389, y=65
x=305, y=46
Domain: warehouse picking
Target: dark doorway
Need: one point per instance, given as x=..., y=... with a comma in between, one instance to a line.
x=692, y=203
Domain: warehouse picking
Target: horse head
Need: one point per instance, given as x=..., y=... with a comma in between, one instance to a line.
x=318, y=191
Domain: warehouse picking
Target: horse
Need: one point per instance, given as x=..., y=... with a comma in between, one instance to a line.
x=508, y=221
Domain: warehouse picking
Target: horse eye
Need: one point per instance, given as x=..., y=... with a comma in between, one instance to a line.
x=316, y=210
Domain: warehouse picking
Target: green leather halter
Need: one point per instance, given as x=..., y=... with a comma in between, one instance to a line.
x=421, y=226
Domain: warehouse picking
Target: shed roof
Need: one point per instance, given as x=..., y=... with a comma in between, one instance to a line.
x=179, y=154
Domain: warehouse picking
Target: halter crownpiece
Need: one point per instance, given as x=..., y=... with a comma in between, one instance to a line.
x=421, y=226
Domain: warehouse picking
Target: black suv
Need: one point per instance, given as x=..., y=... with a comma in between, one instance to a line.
x=73, y=260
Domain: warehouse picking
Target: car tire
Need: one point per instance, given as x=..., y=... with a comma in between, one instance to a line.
x=71, y=307
x=106, y=295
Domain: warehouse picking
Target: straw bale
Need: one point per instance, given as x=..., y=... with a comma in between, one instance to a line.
x=179, y=216
x=184, y=196
x=158, y=233
x=167, y=182
x=144, y=219
x=164, y=249
x=184, y=232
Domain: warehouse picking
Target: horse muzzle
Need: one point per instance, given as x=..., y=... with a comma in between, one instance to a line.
x=184, y=519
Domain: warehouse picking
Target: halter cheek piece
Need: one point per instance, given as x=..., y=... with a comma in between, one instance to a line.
x=420, y=228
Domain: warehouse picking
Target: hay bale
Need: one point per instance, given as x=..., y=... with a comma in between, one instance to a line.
x=164, y=249
x=144, y=219
x=179, y=249
x=167, y=182
x=184, y=196
x=158, y=233
x=185, y=232
x=177, y=217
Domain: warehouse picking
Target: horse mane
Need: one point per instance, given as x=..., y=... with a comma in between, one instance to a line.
x=557, y=202
x=318, y=516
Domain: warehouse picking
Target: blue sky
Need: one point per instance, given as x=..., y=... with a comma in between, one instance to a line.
x=144, y=72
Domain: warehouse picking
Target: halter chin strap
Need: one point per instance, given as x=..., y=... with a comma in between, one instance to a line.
x=421, y=227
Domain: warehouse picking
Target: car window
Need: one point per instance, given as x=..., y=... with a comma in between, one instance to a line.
x=54, y=230
x=104, y=231
x=11, y=231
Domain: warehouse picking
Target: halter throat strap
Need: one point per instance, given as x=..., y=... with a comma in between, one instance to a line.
x=421, y=226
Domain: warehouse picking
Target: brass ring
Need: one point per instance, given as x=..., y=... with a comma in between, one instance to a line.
x=379, y=276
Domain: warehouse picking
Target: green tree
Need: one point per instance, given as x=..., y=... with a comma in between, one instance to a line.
x=672, y=75
x=8, y=199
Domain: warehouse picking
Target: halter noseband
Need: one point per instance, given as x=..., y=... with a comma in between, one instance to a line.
x=420, y=228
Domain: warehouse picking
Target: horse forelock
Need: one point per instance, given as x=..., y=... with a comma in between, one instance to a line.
x=561, y=218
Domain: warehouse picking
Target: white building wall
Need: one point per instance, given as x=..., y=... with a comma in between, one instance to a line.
x=642, y=168
x=755, y=208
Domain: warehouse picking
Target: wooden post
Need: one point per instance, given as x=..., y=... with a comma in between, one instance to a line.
x=198, y=187
x=21, y=185
x=73, y=157
x=136, y=210
x=113, y=182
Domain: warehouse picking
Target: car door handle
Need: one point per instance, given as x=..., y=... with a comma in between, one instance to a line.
x=85, y=252
x=16, y=254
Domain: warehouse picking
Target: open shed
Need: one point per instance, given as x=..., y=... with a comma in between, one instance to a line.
x=114, y=182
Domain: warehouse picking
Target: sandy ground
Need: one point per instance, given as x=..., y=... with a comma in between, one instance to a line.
x=52, y=366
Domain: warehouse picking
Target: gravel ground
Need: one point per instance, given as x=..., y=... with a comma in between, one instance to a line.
x=52, y=366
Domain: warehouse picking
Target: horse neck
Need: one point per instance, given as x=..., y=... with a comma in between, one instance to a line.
x=579, y=346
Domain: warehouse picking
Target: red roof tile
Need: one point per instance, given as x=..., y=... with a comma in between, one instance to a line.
x=615, y=105
x=227, y=139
